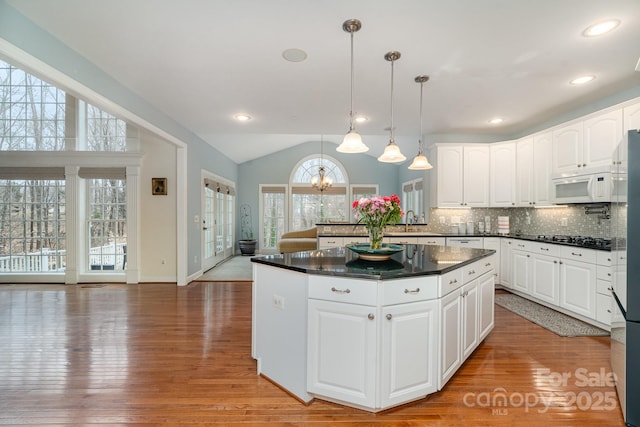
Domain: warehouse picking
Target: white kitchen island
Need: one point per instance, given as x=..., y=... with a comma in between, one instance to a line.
x=369, y=334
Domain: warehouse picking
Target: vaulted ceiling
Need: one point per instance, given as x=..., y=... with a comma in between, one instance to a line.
x=204, y=61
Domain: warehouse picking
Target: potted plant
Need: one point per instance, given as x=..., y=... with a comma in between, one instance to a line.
x=247, y=243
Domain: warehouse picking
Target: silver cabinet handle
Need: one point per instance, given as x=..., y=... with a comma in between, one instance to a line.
x=487, y=264
x=575, y=254
x=544, y=249
x=451, y=282
x=340, y=291
x=371, y=316
x=472, y=272
x=555, y=261
x=415, y=291
x=389, y=316
x=608, y=311
x=528, y=256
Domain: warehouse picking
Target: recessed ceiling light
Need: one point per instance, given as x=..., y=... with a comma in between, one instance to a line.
x=582, y=80
x=294, y=55
x=242, y=117
x=601, y=28
x=361, y=119
x=496, y=121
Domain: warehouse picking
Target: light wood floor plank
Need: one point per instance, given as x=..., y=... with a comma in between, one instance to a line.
x=155, y=354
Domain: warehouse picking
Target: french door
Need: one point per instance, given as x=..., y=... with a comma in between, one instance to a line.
x=217, y=224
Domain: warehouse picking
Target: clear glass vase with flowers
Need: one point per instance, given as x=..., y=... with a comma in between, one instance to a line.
x=376, y=213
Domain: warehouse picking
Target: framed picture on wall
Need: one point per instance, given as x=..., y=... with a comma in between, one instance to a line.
x=159, y=186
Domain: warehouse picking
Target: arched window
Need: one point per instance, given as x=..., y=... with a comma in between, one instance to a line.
x=310, y=206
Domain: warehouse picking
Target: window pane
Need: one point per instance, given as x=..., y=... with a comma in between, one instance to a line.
x=273, y=218
x=312, y=208
x=32, y=226
x=31, y=111
x=107, y=237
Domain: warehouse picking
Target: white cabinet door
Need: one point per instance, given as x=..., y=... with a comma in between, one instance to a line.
x=524, y=172
x=486, y=293
x=604, y=308
x=567, y=148
x=601, y=136
x=450, y=337
x=476, y=176
x=342, y=352
x=449, y=172
x=409, y=356
x=541, y=173
x=503, y=174
x=578, y=287
x=521, y=271
x=545, y=280
x=506, y=248
x=469, y=318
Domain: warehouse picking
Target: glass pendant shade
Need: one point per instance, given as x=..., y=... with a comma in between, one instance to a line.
x=352, y=143
x=392, y=154
x=420, y=162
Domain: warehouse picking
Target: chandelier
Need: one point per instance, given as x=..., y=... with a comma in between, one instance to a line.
x=320, y=181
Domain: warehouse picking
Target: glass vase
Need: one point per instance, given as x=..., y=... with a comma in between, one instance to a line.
x=376, y=233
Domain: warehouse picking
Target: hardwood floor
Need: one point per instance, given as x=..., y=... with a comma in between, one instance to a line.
x=155, y=354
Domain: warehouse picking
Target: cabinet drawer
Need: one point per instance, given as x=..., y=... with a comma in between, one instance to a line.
x=450, y=281
x=474, y=270
x=603, y=273
x=431, y=241
x=363, y=292
x=487, y=264
x=523, y=245
x=546, y=249
x=409, y=290
x=603, y=286
x=401, y=240
x=603, y=257
x=330, y=242
x=579, y=254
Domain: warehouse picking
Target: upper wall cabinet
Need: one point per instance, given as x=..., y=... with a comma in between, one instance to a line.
x=631, y=117
x=534, y=170
x=503, y=174
x=462, y=175
x=586, y=144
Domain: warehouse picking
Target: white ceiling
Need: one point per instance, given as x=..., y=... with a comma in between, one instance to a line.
x=202, y=61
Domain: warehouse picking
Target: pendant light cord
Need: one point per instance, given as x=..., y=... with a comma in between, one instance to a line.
x=391, y=130
x=351, y=128
x=420, y=151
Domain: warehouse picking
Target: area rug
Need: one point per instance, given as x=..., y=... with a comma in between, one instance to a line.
x=554, y=321
x=235, y=269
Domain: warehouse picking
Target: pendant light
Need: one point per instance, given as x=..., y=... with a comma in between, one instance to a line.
x=420, y=162
x=320, y=181
x=392, y=152
x=352, y=142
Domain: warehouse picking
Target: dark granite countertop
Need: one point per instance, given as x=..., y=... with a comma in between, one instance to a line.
x=414, y=260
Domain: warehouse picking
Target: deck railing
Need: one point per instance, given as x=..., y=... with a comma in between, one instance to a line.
x=108, y=257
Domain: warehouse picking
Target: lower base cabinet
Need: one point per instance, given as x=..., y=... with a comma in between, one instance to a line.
x=578, y=289
x=344, y=344
x=466, y=318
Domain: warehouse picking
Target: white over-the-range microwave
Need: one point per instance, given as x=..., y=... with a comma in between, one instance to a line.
x=587, y=186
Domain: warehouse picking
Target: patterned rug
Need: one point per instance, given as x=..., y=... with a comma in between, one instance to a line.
x=556, y=322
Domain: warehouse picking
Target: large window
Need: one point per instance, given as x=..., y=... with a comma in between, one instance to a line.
x=35, y=119
x=310, y=206
x=413, y=200
x=32, y=112
x=32, y=225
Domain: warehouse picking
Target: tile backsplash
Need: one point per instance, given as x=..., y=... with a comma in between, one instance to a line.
x=547, y=221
